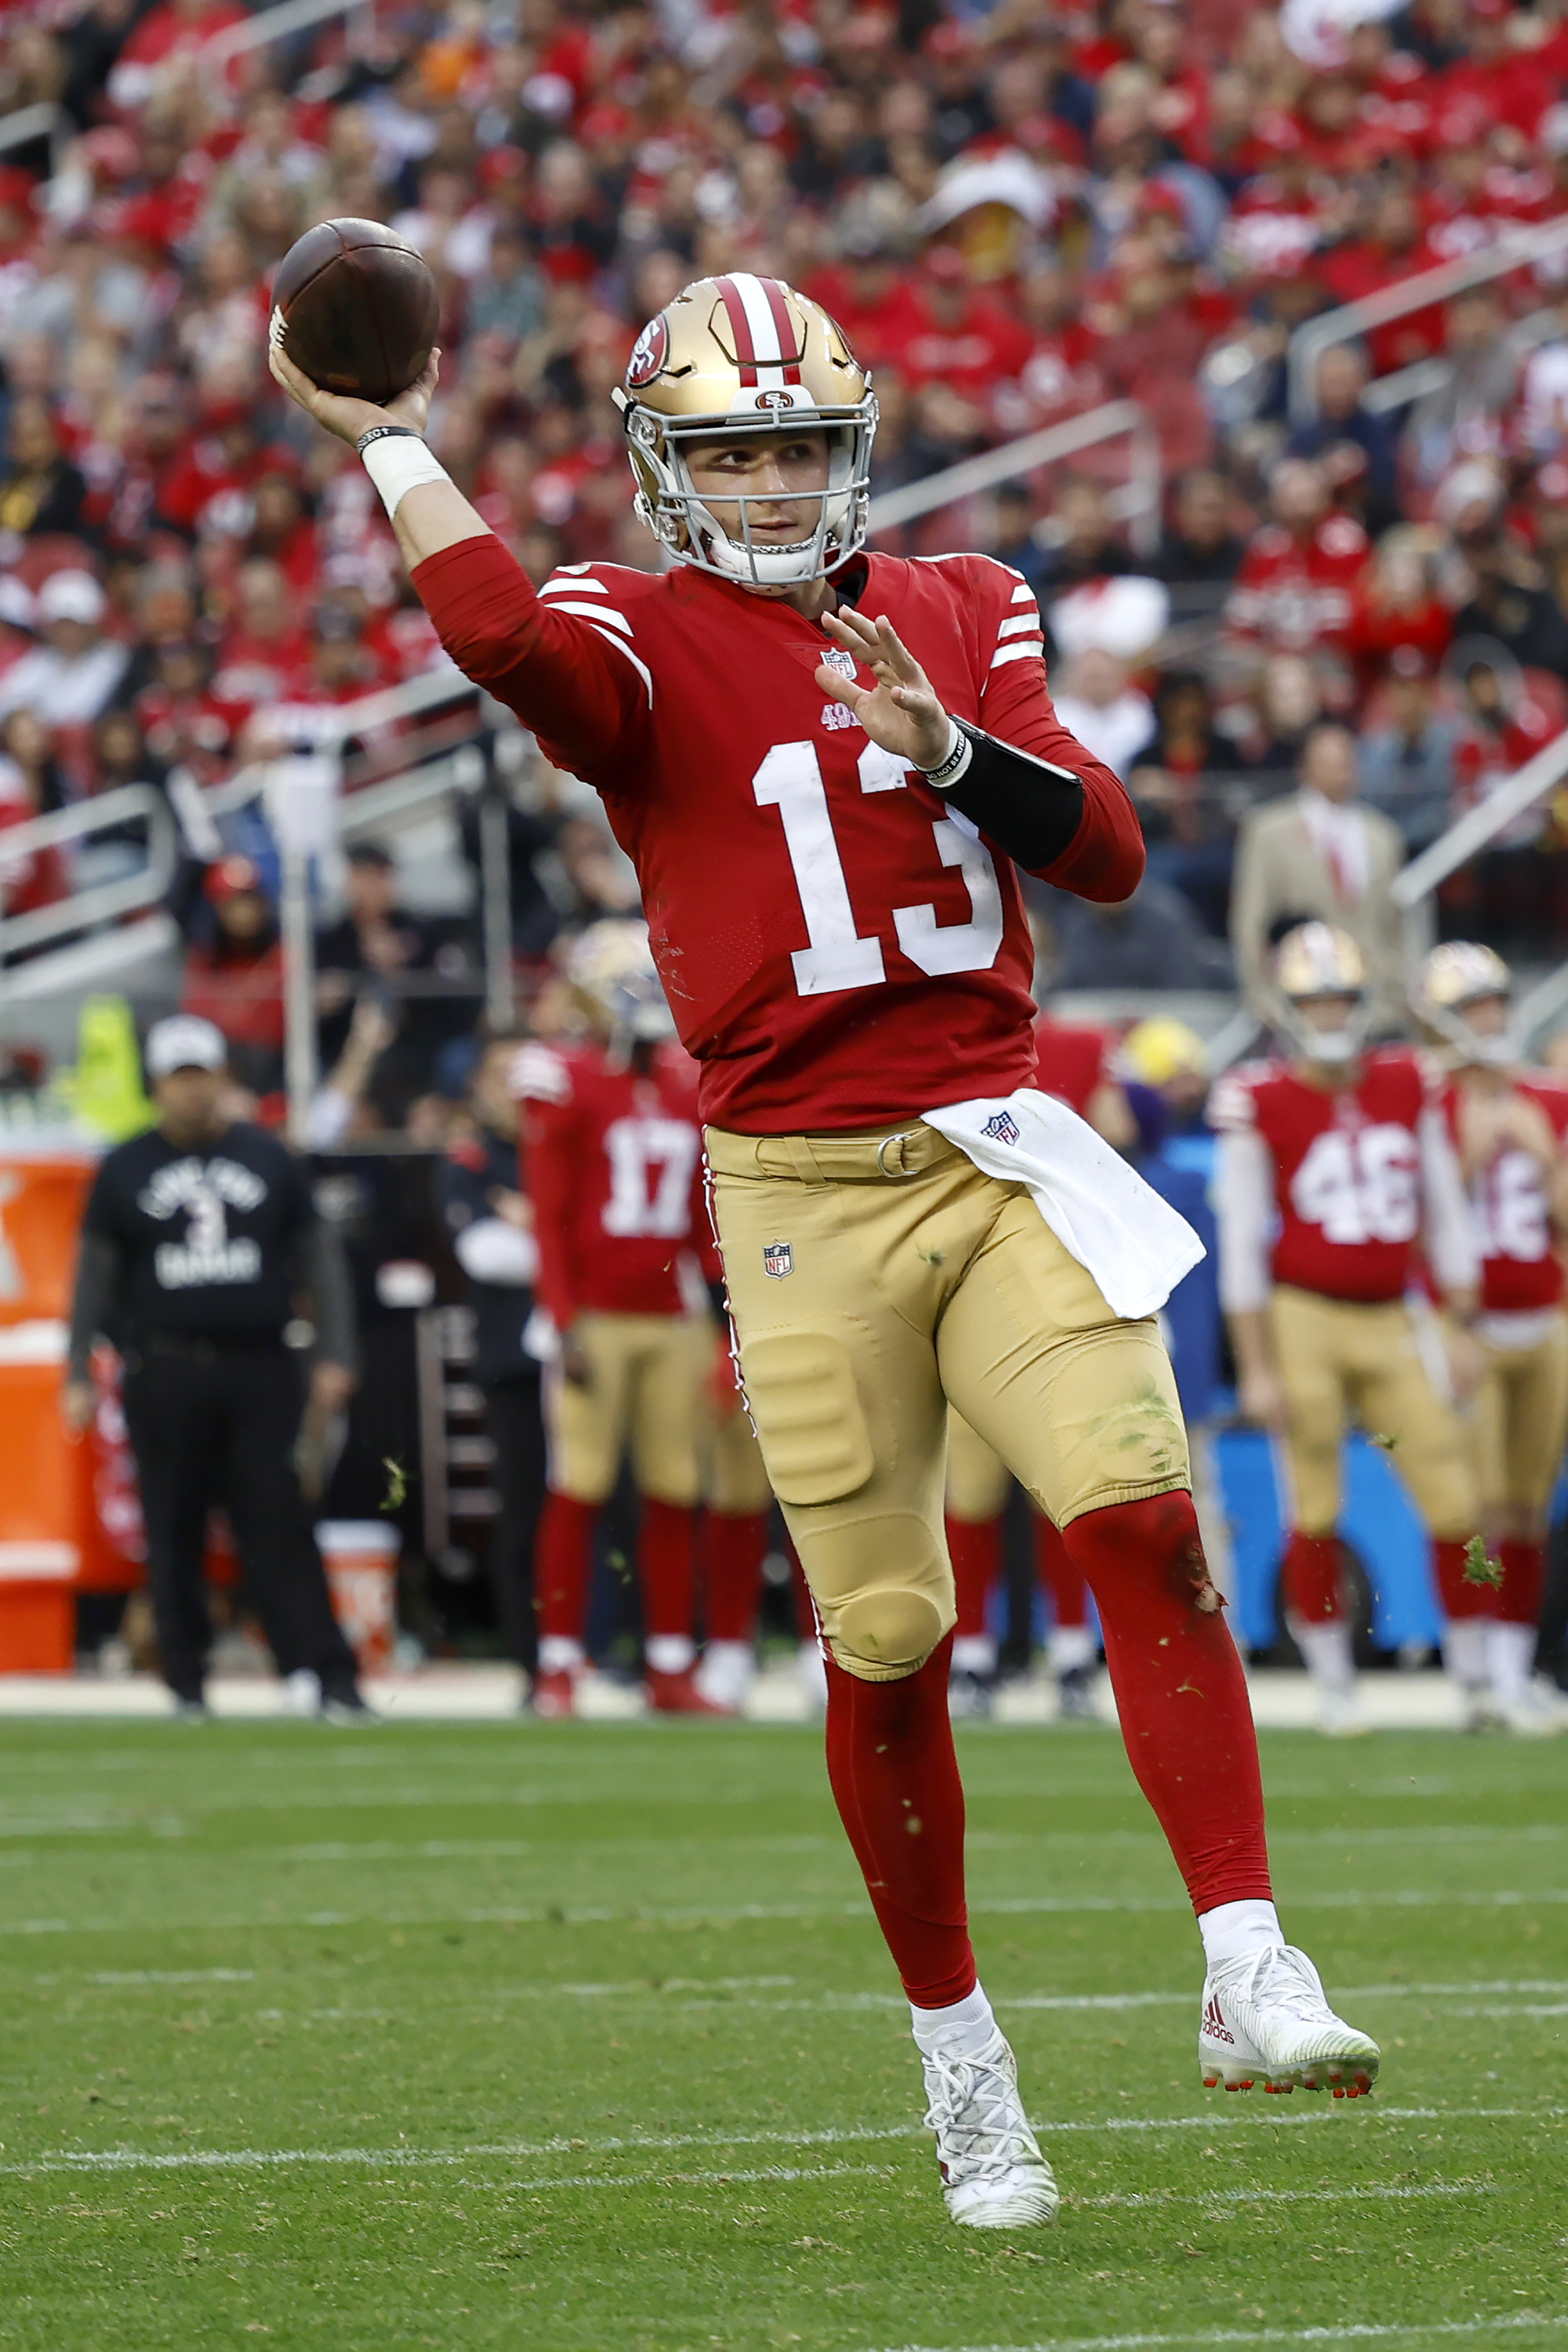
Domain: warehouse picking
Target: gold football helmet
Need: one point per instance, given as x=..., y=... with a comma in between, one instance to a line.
x=747, y=354
x=1313, y=962
x=1455, y=978
x=611, y=968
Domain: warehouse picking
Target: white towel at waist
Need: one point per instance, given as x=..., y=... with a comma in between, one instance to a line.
x=1133, y=1242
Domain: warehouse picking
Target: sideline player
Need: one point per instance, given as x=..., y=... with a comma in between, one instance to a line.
x=1074, y=1065
x=1508, y=1126
x=614, y=1160
x=1333, y=1164
x=825, y=765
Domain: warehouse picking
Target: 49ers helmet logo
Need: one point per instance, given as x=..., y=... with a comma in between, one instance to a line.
x=649, y=354
x=775, y=399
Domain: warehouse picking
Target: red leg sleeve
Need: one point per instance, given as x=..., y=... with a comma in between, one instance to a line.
x=1456, y=1599
x=974, y=1547
x=736, y=1542
x=666, y=1559
x=1060, y=1576
x=564, y=1557
x=1523, y=1581
x=894, y=1781
x=1180, y=1692
x=1311, y=1580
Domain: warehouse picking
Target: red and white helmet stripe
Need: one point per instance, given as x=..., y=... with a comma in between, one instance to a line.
x=765, y=344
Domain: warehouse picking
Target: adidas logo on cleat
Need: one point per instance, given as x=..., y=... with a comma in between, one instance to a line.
x=1214, y=2025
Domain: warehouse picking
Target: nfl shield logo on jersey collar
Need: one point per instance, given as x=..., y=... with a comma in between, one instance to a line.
x=778, y=1259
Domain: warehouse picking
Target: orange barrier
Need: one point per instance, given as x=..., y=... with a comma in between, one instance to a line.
x=47, y=1523
x=360, y=1559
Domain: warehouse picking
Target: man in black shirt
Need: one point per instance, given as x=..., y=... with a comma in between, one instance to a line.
x=198, y=1236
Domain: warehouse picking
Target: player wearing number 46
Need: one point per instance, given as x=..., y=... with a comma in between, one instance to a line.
x=1335, y=1169
x=826, y=765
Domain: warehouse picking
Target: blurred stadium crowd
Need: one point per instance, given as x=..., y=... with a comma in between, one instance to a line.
x=1016, y=214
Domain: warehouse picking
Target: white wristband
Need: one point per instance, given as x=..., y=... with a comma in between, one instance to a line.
x=398, y=464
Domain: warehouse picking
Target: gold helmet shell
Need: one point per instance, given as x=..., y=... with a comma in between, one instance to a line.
x=1317, y=960
x=744, y=354
x=1454, y=977
x=1459, y=972
x=611, y=969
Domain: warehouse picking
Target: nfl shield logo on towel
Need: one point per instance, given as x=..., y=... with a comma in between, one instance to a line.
x=1002, y=1127
x=778, y=1259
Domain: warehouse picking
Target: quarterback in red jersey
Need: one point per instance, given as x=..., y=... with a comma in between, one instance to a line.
x=613, y=1158
x=1334, y=1168
x=1509, y=1128
x=825, y=766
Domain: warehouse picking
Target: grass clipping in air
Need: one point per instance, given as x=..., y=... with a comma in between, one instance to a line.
x=1481, y=1567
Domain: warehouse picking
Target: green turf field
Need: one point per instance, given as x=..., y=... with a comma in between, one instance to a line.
x=582, y=2037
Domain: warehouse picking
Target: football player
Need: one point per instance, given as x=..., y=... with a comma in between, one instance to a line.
x=826, y=765
x=1509, y=1124
x=734, y=1531
x=614, y=1161
x=1334, y=1167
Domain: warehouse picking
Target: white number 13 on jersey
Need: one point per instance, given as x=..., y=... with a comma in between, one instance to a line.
x=790, y=780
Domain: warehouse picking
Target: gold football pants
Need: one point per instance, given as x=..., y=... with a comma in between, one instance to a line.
x=644, y=1397
x=872, y=1279
x=1343, y=1363
x=1520, y=1420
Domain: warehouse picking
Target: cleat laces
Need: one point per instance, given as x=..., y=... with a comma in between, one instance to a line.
x=975, y=2113
x=1284, y=1978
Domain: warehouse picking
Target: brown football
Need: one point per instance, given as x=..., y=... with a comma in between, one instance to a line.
x=360, y=308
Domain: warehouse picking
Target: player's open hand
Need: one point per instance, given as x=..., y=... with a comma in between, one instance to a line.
x=338, y=412
x=900, y=712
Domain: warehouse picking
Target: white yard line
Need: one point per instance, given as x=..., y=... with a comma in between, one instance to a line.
x=514, y=2151
x=1353, y=2332
x=601, y=1915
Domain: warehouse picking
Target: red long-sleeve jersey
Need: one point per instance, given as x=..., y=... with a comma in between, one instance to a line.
x=839, y=948
x=1521, y=1269
x=614, y=1163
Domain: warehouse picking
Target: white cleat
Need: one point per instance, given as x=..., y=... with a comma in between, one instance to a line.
x=1537, y=1712
x=1265, y=2020
x=725, y=1673
x=993, y=2174
x=1340, y=1714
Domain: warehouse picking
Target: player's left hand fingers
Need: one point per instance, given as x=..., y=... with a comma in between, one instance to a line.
x=898, y=657
x=836, y=688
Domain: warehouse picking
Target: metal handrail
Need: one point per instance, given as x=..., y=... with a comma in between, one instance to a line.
x=273, y=24
x=105, y=901
x=44, y=120
x=1312, y=339
x=1110, y=421
x=1481, y=824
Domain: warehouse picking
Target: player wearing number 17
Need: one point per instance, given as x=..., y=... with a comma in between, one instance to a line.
x=826, y=765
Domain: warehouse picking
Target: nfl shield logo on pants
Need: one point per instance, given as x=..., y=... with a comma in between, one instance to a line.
x=778, y=1259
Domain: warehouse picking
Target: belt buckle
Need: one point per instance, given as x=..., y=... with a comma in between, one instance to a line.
x=882, y=1167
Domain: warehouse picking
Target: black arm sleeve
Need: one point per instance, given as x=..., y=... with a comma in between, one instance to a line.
x=1031, y=808
x=100, y=1272
x=321, y=1269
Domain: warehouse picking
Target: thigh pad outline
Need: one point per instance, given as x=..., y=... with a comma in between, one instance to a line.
x=810, y=1421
